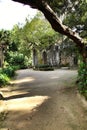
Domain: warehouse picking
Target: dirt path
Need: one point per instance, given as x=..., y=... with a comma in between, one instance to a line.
x=44, y=101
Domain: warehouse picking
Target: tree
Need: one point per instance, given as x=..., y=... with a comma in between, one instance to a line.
x=4, y=41
x=36, y=35
x=58, y=26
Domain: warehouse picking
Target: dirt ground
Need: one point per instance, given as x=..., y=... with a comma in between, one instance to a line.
x=39, y=100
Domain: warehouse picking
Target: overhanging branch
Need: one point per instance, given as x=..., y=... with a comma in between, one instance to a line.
x=54, y=20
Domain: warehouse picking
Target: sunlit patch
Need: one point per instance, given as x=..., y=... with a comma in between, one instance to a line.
x=1, y=106
x=26, y=103
x=54, y=77
x=24, y=80
x=16, y=95
x=4, y=129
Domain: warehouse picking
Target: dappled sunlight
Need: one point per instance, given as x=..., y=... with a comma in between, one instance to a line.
x=25, y=103
x=16, y=95
x=24, y=80
x=46, y=102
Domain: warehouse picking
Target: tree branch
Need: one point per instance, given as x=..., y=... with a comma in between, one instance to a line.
x=54, y=20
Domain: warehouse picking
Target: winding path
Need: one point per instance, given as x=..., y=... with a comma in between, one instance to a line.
x=39, y=100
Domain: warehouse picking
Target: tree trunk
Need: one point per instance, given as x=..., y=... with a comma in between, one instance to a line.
x=1, y=58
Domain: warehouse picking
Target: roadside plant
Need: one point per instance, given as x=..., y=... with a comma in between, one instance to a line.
x=82, y=76
x=4, y=79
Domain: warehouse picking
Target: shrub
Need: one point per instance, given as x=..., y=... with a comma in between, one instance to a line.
x=44, y=67
x=82, y=77
x=6, y=74
x=17, y=59
x=9, y=71
x=4, y=79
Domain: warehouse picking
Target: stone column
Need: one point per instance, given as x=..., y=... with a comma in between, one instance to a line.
x=35, y=57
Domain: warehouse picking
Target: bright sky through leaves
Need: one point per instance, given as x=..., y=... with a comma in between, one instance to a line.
x=12, y=13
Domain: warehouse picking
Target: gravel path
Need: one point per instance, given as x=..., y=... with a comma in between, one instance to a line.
x=39, y=100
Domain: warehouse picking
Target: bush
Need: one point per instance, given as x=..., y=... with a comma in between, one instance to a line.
x=17, y=59
x=44, y=67
x=4, y=79
x=6, y=74
x=82, y=77
x=9, y=71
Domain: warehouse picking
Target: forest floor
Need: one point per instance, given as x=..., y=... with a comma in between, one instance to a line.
x=38, y=100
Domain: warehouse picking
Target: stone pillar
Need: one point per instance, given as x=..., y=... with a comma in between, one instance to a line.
x=35, y=57
x=57, y=55
x=44, y=57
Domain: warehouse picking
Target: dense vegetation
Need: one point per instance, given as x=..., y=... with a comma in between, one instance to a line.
x=37, y=33
x=72, y=13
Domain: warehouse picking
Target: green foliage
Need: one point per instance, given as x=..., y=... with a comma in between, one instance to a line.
x=68, y=47
x=4, y=36
x=77, y=18
x=13, y=46
x=74, y=14
x=9, y=71
x=3, y=79
x=37, y=33
x=17, y=59
x=6, y=74
x=82, y=75
x=59, y=6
